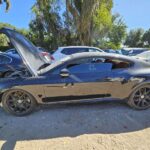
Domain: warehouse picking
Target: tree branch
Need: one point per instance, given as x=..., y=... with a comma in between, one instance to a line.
x=7, y=4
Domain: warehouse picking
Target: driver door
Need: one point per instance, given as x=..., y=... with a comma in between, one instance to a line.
x=85, y=80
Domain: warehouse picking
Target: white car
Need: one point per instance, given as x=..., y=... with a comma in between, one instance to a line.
x=62, y=52
x=143, y=56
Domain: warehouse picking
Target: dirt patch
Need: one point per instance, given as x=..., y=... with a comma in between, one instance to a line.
x=92, y=126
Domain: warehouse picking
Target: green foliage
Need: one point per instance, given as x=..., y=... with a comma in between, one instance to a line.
x=111, y=45
x=79, y=24
x=117, y=33
x=103, y=17
x=146, y=38
x=105, y=44
x=135, y=38
x=72, y=22
x=114, y=36
x=91, y=18
x=4, y=40
x=46, y=28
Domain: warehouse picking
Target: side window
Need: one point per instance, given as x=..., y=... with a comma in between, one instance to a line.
x=97, y=64
x=89, y=65
x=4, y=59
x=118, y=64
x=88, y=68
x=94, y=65
x=69, y=51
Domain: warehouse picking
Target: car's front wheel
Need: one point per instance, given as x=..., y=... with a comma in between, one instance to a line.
x=18, y=102
x=140, y=98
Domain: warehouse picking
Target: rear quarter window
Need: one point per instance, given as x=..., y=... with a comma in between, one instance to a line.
x=119, y=64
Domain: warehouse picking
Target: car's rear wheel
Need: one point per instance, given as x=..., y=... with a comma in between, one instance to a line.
x=140, y=98
x=18, y=102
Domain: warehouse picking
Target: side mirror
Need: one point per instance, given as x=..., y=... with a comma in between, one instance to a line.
x=64, y=73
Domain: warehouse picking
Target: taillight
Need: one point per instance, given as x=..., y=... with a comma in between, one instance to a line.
x=47, y=54
x=44, y=53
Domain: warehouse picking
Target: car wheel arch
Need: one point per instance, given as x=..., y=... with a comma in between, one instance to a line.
x=136, y=104
x=145, y=83
x=9, y=109
x=11, y=89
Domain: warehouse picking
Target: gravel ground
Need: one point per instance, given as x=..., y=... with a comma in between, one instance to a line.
x=91, y=126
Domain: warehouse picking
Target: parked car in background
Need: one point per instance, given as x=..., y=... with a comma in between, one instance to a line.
x=143, y=56
x=135, y=52
x=112, y=51
x=123, y=52
x=62, y=52
x=48, y=57
x=11, y=65
x=81, y=76
x=52, y=52
x=117, y=51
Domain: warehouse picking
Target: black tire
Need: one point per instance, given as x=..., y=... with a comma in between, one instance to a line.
x=140, y=98
x=18, y=106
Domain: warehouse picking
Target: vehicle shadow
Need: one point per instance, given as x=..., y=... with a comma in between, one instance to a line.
x=72, y=120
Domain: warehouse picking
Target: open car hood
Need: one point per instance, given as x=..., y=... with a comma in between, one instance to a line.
x=28, y=52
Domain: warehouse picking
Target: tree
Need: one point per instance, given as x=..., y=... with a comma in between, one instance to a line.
x=7, y=4
x=46, y=27
x=146, y=38
x=135, y=38
x=3, y=38
x=91, y=18
x=117, y=33
x=80, y=24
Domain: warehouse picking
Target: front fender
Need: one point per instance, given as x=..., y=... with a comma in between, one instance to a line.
x=6, y=84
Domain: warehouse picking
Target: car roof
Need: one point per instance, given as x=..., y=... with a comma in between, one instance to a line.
x=135, y=48
x=92, y=54
x=110, y=55
x=78, y=47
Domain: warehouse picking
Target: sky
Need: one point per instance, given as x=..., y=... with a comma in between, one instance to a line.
x=134, y=12
x=19, y=14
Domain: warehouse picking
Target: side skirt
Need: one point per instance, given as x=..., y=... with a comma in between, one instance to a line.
x=73, y=98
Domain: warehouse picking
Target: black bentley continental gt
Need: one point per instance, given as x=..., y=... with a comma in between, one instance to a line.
x=77, y=77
